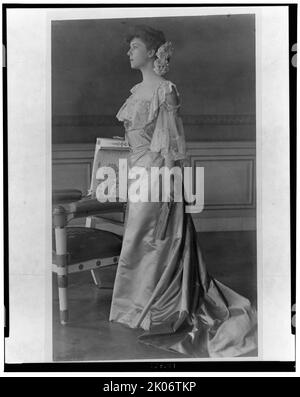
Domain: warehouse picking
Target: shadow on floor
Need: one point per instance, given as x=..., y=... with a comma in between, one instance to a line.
x=89, y=336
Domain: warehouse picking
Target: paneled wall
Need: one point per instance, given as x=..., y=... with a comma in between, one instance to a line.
x=229, y=180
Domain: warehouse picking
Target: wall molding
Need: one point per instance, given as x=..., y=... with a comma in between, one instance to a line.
x=231, y=209
x=110, y=120
x=193, y=147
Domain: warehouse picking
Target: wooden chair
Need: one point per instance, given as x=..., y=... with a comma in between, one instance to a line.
x=97, y=244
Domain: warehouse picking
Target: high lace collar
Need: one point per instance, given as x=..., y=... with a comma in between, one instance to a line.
x=139, y=112
x=135, y=87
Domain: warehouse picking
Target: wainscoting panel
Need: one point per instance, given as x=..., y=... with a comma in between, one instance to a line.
x=72, y=166
x=229, y=185
x=80, y=171
x=229, y=180
x=232, y=185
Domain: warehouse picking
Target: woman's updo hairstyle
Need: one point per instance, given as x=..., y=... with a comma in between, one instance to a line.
x=152, y=38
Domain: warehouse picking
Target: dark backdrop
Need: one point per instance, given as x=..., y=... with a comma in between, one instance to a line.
x=213, y=67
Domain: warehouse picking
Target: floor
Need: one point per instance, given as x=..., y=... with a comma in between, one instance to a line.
x=89, y=336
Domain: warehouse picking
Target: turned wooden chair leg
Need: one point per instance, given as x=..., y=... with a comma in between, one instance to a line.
x=60, y=221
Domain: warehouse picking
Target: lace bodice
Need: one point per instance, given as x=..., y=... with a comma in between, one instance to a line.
x=154, y=118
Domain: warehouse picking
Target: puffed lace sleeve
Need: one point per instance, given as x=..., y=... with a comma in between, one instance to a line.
x=168, y=137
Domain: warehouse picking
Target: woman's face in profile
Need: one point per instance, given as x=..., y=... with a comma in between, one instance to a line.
x=138, y=53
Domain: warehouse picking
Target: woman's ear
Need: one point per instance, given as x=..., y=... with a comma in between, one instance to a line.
x=151, y=53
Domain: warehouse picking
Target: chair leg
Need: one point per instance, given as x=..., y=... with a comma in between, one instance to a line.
x=62, y=281
x=61, y=261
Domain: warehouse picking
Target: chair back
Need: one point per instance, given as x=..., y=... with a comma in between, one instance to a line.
x=108, y=151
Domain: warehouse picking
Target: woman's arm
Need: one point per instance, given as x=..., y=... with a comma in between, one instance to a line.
x=168, y=136
x=172, y=100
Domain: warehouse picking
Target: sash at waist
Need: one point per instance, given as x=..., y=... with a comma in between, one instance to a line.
x=139, y=149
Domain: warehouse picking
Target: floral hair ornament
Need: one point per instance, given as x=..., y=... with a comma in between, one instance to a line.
x=161, y=64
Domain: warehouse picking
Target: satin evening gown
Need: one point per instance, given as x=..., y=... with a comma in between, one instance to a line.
x=162, y=285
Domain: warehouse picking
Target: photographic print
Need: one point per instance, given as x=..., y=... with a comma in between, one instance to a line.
x=176, y=92
x=151, y=146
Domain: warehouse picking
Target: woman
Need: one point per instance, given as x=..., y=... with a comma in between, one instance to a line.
x=161, y=284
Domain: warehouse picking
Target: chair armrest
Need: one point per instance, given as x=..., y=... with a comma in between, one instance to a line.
x=65, y=195
x=88, y=206
x=91, y=206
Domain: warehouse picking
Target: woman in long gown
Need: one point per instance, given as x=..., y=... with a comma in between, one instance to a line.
x=162, y=285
